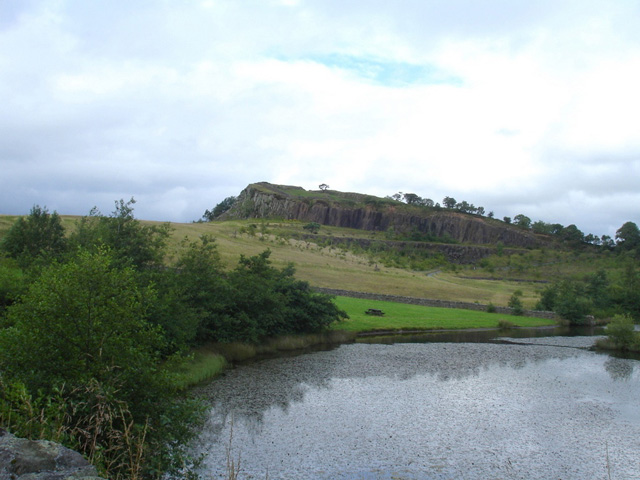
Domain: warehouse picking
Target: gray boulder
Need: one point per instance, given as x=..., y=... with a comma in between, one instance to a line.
x=22, y=459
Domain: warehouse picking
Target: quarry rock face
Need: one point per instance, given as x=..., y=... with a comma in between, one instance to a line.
x=270, y=201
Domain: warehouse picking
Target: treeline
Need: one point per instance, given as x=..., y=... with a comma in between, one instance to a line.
x=93, y=322
x=448, y=203
x=627, y=236
x=596, y=294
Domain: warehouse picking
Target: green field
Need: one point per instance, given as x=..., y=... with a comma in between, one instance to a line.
x=400, y=316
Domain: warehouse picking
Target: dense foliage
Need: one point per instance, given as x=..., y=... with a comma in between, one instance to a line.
x=38, y=237
x=622, y=335
x=595, y=294
x=89, y=322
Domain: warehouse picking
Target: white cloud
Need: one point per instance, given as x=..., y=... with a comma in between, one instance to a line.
x=520, y=107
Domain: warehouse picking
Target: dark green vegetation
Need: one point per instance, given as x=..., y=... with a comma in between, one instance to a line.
x=621, y=336
x=96, y=322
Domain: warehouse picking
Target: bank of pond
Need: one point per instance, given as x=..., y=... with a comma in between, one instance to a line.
x=208, y=361
x=532, y=403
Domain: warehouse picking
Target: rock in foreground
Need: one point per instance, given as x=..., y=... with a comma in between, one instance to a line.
x=22, y=459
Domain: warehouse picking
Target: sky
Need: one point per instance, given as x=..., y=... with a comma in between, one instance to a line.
x=522, y=107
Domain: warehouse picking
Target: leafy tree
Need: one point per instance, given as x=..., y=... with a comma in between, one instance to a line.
x=219, y=209
x=569, y=299
x=412, y=199
x=515, y=303
x=592, y=239
x=607, y=242
x=79, y=339
x=548, y=298
x=621, y=332
x=80, y=320
x=522, y=221
x=13, y=284
x=190, y=295
x=541, y=227
x=465, y=207
x=556, y=229
x=507, y=219
x=129, y=241
x=38, y=236
x=627, y=294
x=490, y=214
x=266, y=301
x=449, y=202
x=597, y=289
x=480, y=211
x=628, y=236
x=324, y=187
x=572, y=234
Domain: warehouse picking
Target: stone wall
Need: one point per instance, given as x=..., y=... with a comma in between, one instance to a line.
x=426, y=302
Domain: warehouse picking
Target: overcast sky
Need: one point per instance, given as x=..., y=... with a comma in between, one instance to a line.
x=528, y=107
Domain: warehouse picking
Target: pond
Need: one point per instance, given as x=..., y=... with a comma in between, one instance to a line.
x=508, y=408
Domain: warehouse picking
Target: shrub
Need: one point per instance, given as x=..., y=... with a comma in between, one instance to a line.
x=38, y=236
x=516, y=304
x=313, y=227
x=621, y=332
x=79, y=355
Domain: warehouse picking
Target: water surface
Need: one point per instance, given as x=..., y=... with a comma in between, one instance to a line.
x=542, y=408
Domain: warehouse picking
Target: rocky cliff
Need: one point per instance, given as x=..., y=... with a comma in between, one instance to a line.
x=352, y=210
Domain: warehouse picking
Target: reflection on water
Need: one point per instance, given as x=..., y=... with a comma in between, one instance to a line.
x=429, y=410
x=482, y=335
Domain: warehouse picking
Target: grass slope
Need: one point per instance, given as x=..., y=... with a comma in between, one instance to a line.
x=400, y=316
x=333, y=267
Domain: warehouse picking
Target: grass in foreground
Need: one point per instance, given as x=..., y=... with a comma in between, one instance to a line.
x=203, y=365
x=400, y=316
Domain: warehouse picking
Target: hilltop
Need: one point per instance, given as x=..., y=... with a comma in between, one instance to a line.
x=366, y=212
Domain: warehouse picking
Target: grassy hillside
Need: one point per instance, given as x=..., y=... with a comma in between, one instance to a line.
x=492, y=280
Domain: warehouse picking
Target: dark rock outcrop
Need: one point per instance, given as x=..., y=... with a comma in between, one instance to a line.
x=22, y=459
x=351, y=210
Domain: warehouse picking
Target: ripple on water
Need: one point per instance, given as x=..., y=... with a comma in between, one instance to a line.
x=428, y=411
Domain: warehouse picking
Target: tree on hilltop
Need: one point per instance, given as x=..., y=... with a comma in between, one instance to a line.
x=628, y=236
x=449, y=202
x=522, y=221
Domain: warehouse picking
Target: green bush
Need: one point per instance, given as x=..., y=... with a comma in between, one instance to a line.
x=621, y=331
x=313, y=227
x=80, y=355
x=38, y=237
x=516, y=304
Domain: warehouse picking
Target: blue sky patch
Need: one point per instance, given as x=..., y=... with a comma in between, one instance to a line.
x=396, y=74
